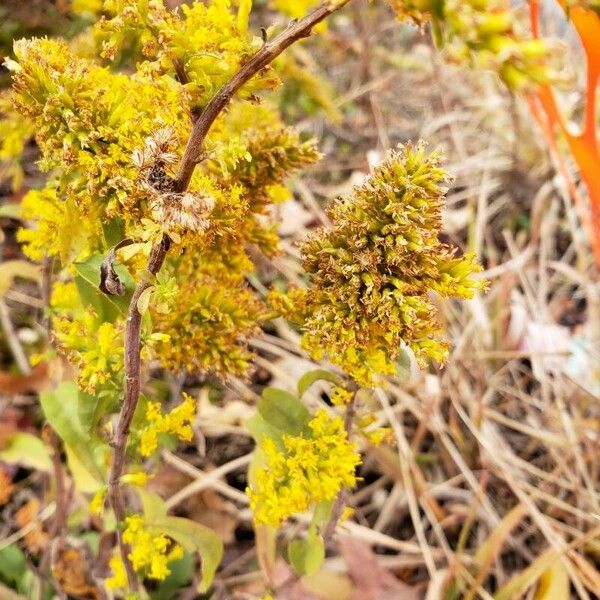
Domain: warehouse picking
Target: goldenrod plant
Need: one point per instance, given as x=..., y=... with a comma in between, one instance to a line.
x=164, y=156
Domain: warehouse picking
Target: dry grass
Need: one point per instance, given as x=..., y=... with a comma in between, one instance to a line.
x=492, y=475
x=492, y=478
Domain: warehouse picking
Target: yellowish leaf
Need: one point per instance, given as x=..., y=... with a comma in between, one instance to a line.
x=554, y=583
x=328, y=585
x=144, y=300
x=27, y=450
x=521, y=582
x=11, y=269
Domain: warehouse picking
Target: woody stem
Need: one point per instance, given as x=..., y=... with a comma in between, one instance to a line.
x=295, y=31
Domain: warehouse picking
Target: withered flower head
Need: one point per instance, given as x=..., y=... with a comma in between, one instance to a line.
x=186, y=211
x=373, y=270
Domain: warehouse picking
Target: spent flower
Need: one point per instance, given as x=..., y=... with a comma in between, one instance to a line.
x=373, y=271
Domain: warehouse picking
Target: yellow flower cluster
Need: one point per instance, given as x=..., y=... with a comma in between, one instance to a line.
x=118, y=579
x=57, y=227
x=15, y=131
x=259, y=160
x=307, y=469
x=216, y=313
x=375, y=436
x=208, y=43
x=86, y=7
x=150, y=554
x=483, y=32
x=178, y=422
x=373, y=270
x=84, y=125
x=102, y=135
x=341, y=396
x=96, y=348
x=96, y=505
x=64, y=297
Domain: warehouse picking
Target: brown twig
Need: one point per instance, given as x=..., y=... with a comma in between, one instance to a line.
x=295, y=31
x=63, y=499
x=132, y=395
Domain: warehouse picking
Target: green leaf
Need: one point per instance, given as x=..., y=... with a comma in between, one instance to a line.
x=259, y=429
x=93, y=408
x=92, y=539
x=322, y=513
x=108, y=308
x=27, y=450
x=283, y=411
x=12, y=564
x=193, y=537
x=61, y=408
x=153, y=506
x=86, y=479
x=317, y=375
x=114, y=231
x=307, y=556
x=403, y=365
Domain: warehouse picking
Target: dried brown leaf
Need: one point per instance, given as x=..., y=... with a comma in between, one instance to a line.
x=71, y=571
x=372, y=581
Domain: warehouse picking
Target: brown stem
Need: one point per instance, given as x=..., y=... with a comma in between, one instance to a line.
x=340, y=502
x=296, y=30
x=63, y=499
x=132, y=395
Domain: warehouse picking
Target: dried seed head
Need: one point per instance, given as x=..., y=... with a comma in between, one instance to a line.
x=189, y=211
x=158, y=149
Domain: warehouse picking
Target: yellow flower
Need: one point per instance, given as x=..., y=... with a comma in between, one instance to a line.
x=306, y=471
x=65, y=296
x=378, y=436
x=374, y=269
x=150, y=553
x=483, y=33
x=298, y=9
x=96, y=505
x=341, y=396
x=97, y=349
x=140, y=479
x=83, y=7
x=177, y=422
x=148, y=441
x=118, y=580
